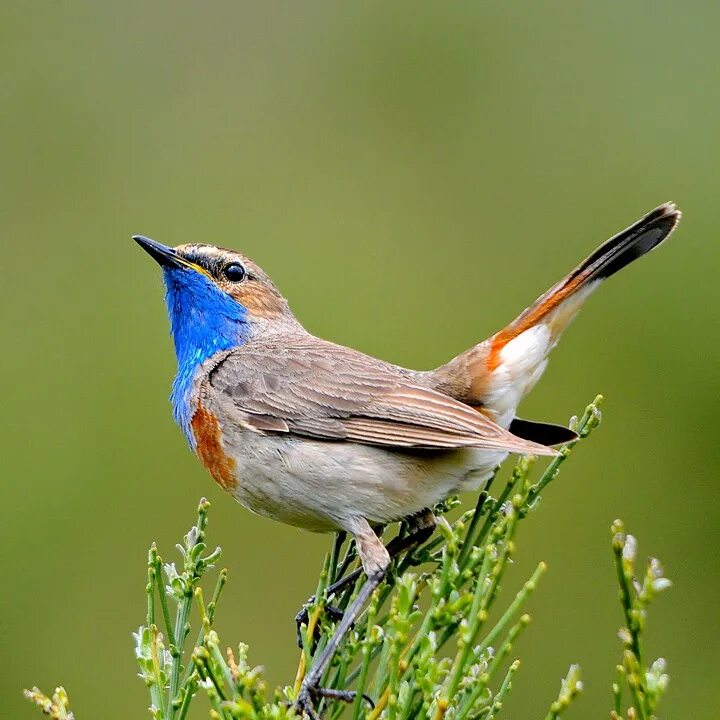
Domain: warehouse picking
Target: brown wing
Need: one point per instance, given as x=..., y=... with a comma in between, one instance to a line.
x=308, y=387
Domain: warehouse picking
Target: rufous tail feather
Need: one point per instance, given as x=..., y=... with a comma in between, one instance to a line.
x=495, y=374
x=563, y=300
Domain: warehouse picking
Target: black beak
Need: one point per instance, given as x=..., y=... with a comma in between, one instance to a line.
x=164, y=255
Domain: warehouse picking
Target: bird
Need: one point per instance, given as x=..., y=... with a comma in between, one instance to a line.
x=326, y=438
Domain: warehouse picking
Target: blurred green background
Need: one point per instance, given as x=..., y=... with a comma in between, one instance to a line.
x=412, y=175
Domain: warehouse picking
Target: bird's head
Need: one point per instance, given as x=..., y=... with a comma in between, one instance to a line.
x=216, y=298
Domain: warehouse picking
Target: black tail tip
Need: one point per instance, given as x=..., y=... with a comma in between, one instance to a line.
x=633, y=242
x=668, y=210
x=656, y=226
x=653, y=229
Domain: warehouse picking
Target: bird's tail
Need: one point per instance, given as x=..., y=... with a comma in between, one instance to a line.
x=499, y=371
x=559, y=305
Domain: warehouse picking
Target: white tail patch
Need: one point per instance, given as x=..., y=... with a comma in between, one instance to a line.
x=522, y=360
x=523, y=353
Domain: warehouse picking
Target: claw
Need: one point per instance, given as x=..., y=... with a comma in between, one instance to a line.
x=305, y=702
x=334, y=613
x=347, y=696
x=303, y=618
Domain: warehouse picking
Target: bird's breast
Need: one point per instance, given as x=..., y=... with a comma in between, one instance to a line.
x=317, y=484
x=209, y=447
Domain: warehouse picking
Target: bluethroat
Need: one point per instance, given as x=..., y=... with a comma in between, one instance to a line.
x=324, y=437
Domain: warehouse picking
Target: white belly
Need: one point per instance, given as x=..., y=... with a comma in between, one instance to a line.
x=319, y=485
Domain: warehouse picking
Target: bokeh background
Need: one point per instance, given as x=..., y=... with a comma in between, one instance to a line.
x=412, y=175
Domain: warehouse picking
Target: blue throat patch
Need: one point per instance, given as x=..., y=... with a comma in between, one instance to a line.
x=203, y=321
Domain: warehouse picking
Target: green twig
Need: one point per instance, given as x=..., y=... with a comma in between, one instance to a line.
x=570, y=687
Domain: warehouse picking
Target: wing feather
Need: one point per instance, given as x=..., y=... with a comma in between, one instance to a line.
x=308, y=387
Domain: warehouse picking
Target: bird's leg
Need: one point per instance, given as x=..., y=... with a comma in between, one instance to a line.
x=375, y=561
x=421, y=526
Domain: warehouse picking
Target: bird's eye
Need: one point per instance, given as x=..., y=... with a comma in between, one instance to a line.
x=234, y=272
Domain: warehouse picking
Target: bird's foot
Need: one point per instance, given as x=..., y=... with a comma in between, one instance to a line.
x=303, y=618
x=308, y=695
x=305, y=704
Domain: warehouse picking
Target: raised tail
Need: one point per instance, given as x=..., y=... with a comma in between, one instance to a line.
x=497, y=373
x=559, y=305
